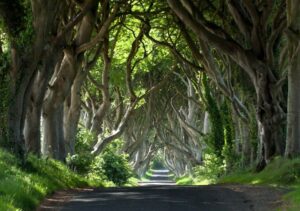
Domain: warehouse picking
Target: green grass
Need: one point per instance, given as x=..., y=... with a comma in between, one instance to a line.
x=203, y=181
x=185, y=180
x=280, y=172
x=132, y=182
x=148, y=174
x=23, y=188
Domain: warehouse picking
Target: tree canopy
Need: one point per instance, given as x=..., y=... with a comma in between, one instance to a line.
x=178, y=80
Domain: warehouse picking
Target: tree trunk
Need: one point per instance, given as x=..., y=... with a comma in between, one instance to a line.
x=253, y=63
x=206, y=123
x=293, y=113
x=26, y=54
x=60, y=133
x=32, y=126
x=269, y=115
x=32, y=129
x=61, y=85
x=19, y=94
x=50, y=144
x=58, y=91
x=246, y=146
x=72, y=113
x=15, y=120
x=53, y=142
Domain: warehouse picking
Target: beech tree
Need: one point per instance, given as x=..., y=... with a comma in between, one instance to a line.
x=258, y=61
x=28, y=33
x=293, y=118
x=178, y=79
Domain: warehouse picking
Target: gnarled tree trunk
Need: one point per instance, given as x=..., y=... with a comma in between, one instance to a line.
x=257, y=63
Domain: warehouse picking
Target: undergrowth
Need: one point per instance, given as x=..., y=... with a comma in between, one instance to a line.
x=23, y=186
x=185, y=180
x=280, y=172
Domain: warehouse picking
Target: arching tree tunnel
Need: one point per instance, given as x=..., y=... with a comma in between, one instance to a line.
x=169, y=126
x=188, y=81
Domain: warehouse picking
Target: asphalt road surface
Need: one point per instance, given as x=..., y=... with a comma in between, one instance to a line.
x=158, y=177
x=160, y=194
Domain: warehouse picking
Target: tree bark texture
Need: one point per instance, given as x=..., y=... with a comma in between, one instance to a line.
x=293, y=113
x=72, y=109
x=62, y=82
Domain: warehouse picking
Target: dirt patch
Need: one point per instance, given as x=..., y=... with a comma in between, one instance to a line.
x=261, y=197
x=59, y=198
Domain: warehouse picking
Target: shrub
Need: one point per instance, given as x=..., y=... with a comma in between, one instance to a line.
x=80, y=163
x=82, y=160
x=116, y=167
x=112, y=166
x=211, y=169
x=96, y=169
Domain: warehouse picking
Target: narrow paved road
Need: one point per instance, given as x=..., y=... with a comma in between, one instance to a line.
x=159, y=177
x=160, y=195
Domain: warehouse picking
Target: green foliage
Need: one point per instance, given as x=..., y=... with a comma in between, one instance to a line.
x=82, y=160
x=216, y=137
x=207, y=173
x=84, y=140
x=280, y=172
x=148, y=174
x=4, y=96
x=23, y=187
x=80, y=163
x=96, y=171
x=254, y=137
x=228, y=124
x=211, y=169
x=231, y=159
x=116, y=167
x=109, y=166
x=25, y=38
x=132, y=182
x=17, y=22
x=185, y=180
x=12, y=17
x=157, y=163
x=230, y=156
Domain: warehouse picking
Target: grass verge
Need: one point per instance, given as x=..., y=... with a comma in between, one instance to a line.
x=279, y=173
x=185, y=180
x=24, y=187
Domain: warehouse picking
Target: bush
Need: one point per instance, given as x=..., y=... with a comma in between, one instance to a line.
x=116, y=167
x=96, y=169
x=80, y=163
x=231, y=159
x=111, y=166
x=211, y=169
x=82, y=160
x=185, y=180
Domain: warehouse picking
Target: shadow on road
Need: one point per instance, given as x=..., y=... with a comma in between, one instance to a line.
x=161, y=194
x=168, y=198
